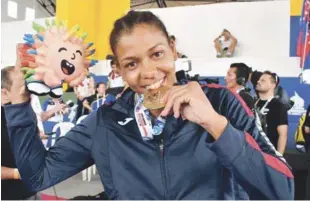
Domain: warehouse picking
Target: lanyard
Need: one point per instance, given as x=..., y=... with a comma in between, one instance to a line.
x=144, y=121
x=263, y=109
x=98, y=101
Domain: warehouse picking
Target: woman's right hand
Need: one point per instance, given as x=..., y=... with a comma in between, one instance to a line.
x=19, y=93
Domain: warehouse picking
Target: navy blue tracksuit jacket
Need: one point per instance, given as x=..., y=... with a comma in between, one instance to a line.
x=191, y=165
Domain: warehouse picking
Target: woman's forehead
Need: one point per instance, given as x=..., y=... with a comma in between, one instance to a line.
x=140, y=39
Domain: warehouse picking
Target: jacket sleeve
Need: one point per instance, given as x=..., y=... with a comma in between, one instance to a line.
x=39, y=168
x=246, y=151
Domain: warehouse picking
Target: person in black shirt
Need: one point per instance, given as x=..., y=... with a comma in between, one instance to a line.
x=12, y=188
x=236, y=79
x=93, y=102
x=280, y=93
x=272, y=112
x=307, y=130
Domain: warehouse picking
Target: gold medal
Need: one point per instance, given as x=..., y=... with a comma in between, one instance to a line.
x=152, y=98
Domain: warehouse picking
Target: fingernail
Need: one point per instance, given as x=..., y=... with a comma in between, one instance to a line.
x=92, y=51
x=40, y=37
x=90, y=44
x=30, y=40
x=32, y=52
x=28, y=35
x=93, y=62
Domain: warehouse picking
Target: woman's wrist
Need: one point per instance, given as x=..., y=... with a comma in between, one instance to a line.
x=215, y=125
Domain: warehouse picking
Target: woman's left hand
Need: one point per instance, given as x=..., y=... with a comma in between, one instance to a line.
x=190, y=102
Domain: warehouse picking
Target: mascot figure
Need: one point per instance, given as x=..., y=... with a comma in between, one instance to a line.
x=55, y=55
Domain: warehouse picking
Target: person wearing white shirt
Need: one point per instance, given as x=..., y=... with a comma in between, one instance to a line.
x=225, y=44
x=86, y=89
x=116, y=83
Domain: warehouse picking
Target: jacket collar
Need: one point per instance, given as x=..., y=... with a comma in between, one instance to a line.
x=126, y=103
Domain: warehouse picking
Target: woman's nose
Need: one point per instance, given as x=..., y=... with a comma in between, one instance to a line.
x=148, y=71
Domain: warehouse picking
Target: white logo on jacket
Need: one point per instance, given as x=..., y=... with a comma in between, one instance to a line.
x=123, y=123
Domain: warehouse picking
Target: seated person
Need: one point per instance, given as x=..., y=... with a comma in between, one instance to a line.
x=116, y=83
x=93, y=102
x=225, y=44
x=180, y=55
x=236, y=79
x=86, y=89
x=54, y=109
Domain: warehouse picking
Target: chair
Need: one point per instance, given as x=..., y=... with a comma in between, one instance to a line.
x=61, y=129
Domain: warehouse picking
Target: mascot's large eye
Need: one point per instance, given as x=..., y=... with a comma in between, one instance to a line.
x=62, y=49
x=78, y=51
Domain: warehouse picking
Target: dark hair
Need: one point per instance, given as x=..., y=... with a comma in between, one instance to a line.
x=113, y=62
x=98, y=84
x=274, y=77
x=225, y=30
x=6, y=80
x=109, y=57
x=128, y=22
x=242, y=70
x=172, y=37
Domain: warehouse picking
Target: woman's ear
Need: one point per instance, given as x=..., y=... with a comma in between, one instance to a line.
x=174, y=50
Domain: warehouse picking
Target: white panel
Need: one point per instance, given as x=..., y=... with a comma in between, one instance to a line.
x=11, y=34
x=262, y=28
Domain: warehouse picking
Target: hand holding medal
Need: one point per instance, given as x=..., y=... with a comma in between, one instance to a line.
x=190, y=102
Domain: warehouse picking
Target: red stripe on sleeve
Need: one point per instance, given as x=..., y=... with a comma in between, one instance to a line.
x=243, y=104
x=270, y=160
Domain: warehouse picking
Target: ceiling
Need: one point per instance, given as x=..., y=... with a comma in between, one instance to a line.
x=16, y=10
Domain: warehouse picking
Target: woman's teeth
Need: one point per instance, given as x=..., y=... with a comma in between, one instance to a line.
x=156, y=85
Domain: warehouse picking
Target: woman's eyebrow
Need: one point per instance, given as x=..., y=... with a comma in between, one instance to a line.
x=158, y=44
x=129, y=58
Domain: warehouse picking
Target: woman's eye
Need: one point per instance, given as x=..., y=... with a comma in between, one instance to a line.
x=131, y=65
x=158, y=54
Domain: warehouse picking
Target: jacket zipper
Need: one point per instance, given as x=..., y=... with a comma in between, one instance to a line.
x=162, y=165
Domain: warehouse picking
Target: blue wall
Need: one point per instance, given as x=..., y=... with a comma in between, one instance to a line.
x=291, y=85
x=294, y=31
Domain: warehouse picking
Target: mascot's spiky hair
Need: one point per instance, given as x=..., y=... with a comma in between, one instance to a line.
x=56, y=54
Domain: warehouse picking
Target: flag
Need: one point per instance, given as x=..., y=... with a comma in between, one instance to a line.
x=303, y=35
x=302, y=26
x=305, y=49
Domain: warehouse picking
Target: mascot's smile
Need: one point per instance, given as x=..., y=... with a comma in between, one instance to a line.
x=67, y=67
